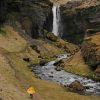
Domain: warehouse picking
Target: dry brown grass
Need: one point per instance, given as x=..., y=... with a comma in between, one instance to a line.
x=77, y=65
x=15, y=76
x=11, y=41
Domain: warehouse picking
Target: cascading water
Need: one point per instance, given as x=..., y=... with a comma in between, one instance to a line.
x=56, y=20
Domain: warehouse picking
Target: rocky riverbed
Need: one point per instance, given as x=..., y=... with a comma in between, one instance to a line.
x=49, y=72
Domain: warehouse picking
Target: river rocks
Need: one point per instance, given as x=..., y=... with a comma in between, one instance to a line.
x=43, y=62
x=58, y=68
x=91, y=50
x=58, y=65
x=76, y=86
x=97, y=73
x=59, y=62
x=77, y=18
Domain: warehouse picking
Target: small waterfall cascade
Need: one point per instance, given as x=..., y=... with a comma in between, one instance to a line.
x=56, y=19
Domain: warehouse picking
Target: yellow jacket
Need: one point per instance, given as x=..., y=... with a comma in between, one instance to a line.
x=31, y=90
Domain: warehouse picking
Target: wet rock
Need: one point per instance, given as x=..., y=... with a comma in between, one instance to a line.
x=52, y=72
x=97, y=73
x=43, y=62
x=76, y=86
x=58, y=68
x=58, y=65
x=51, y=76
x=87, y=87
x=59, y=62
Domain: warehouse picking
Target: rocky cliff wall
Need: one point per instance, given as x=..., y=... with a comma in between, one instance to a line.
x=77, y=18
x=33, y=15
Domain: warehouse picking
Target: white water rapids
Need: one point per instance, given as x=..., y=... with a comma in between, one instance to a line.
x=56, y=20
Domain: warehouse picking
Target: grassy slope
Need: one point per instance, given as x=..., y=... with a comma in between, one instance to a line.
x=77, y=65
x=15, y=76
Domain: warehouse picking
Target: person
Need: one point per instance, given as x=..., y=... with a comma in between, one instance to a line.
x=31, y=91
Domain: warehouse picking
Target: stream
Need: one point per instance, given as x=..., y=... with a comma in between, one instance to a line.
x=64, y=78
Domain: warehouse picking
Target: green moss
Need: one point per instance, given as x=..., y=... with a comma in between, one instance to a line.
x=2, y=31
x=50, y=36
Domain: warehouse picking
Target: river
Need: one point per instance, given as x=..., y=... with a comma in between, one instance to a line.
x=64, y=78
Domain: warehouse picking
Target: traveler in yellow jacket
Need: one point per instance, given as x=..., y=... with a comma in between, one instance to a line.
x=31, y=91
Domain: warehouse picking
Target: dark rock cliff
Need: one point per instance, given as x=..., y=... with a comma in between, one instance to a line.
x=76, y=20
x=33, y=15
x=91, y=50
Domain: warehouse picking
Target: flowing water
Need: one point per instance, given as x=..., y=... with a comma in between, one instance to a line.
x=56, y=20
x=62, y=77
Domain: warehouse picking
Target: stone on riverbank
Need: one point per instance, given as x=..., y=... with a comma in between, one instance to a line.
x=76, y=86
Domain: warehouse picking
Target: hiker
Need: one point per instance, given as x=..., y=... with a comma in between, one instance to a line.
x=31, y=91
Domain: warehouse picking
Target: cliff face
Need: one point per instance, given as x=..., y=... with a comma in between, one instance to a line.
x=91, y=53
x=31, y=14
x=77, y=17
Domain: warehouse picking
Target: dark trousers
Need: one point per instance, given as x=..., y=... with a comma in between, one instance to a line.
x=31, y=96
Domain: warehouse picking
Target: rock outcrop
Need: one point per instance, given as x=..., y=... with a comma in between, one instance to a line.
x=91, y=50
x=79, y=16
x=97, y=74
x=91, y=53
x=31, y=14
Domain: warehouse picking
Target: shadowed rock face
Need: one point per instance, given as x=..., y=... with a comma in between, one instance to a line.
x=77, y=18
x=91, y=50
x=31, y=14
x=97, y=74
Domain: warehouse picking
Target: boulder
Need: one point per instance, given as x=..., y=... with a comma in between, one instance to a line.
x=58, y=68
x=43, y=62
x=58, y=63
x=51, y=36
x=97, y=73
x=76, y=86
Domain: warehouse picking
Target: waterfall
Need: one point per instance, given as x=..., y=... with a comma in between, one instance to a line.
x=56, y=20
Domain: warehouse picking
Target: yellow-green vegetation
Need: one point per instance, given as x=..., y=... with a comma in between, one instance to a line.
x=69, y=47
x=2, y=32
x=48, y=50
x=60, y=43
x=12, y=42
x=15, y=76
x=77, y=65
